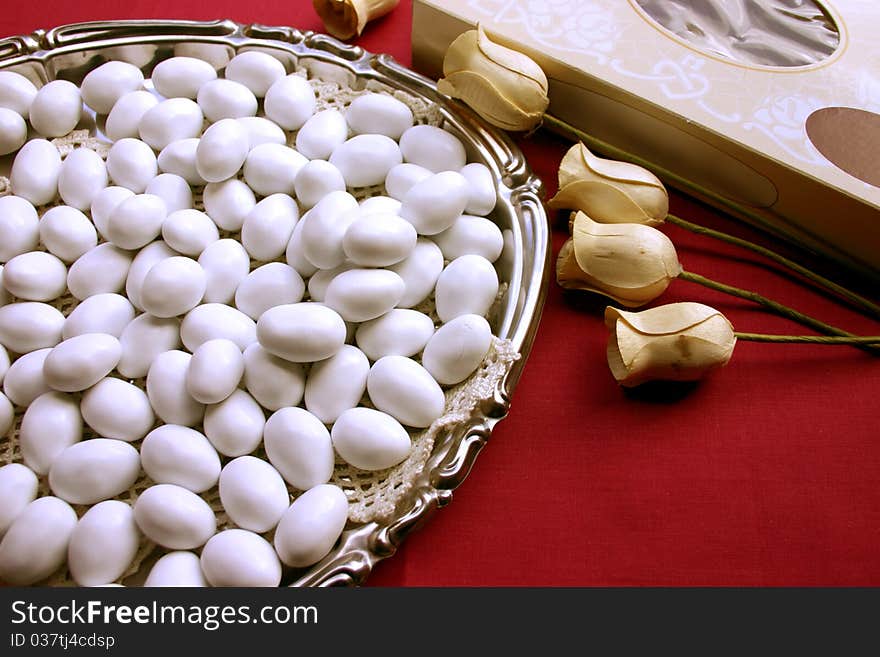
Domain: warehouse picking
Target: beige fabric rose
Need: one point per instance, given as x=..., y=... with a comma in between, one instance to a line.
x=675, y=342
x=346, y=19
x=505, y=87
x=609, y=191
x=630, y=263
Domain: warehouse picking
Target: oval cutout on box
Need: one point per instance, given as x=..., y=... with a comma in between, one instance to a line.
x=849, y=138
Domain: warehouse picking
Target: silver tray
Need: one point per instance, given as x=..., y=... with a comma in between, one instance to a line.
x=71, y=51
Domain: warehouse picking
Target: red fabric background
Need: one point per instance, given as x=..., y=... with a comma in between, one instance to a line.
x=766, y=474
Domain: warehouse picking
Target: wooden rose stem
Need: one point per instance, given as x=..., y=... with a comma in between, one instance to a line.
x=809, y=339
x=850, y=296
x=775, y=306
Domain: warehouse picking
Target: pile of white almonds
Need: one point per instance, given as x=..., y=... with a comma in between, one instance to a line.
x=279, y=321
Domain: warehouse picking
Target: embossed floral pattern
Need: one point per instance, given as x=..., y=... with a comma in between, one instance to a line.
x=782, y=119
x=563, y=25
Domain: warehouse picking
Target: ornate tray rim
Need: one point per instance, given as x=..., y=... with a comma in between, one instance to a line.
x=454, y=454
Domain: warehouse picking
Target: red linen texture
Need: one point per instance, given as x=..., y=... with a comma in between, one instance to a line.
x=765, y=474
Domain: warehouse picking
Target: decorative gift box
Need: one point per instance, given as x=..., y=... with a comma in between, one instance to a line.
x=768, y=110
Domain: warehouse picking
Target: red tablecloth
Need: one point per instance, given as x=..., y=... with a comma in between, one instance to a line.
x=766, y=474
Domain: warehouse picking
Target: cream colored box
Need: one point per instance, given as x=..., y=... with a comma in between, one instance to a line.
x=732, y=133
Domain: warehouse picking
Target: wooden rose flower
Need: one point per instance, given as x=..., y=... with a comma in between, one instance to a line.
x=346, y=19
x=610, y=191
x=675, y=342
x=630, y=263
x=505, y=87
